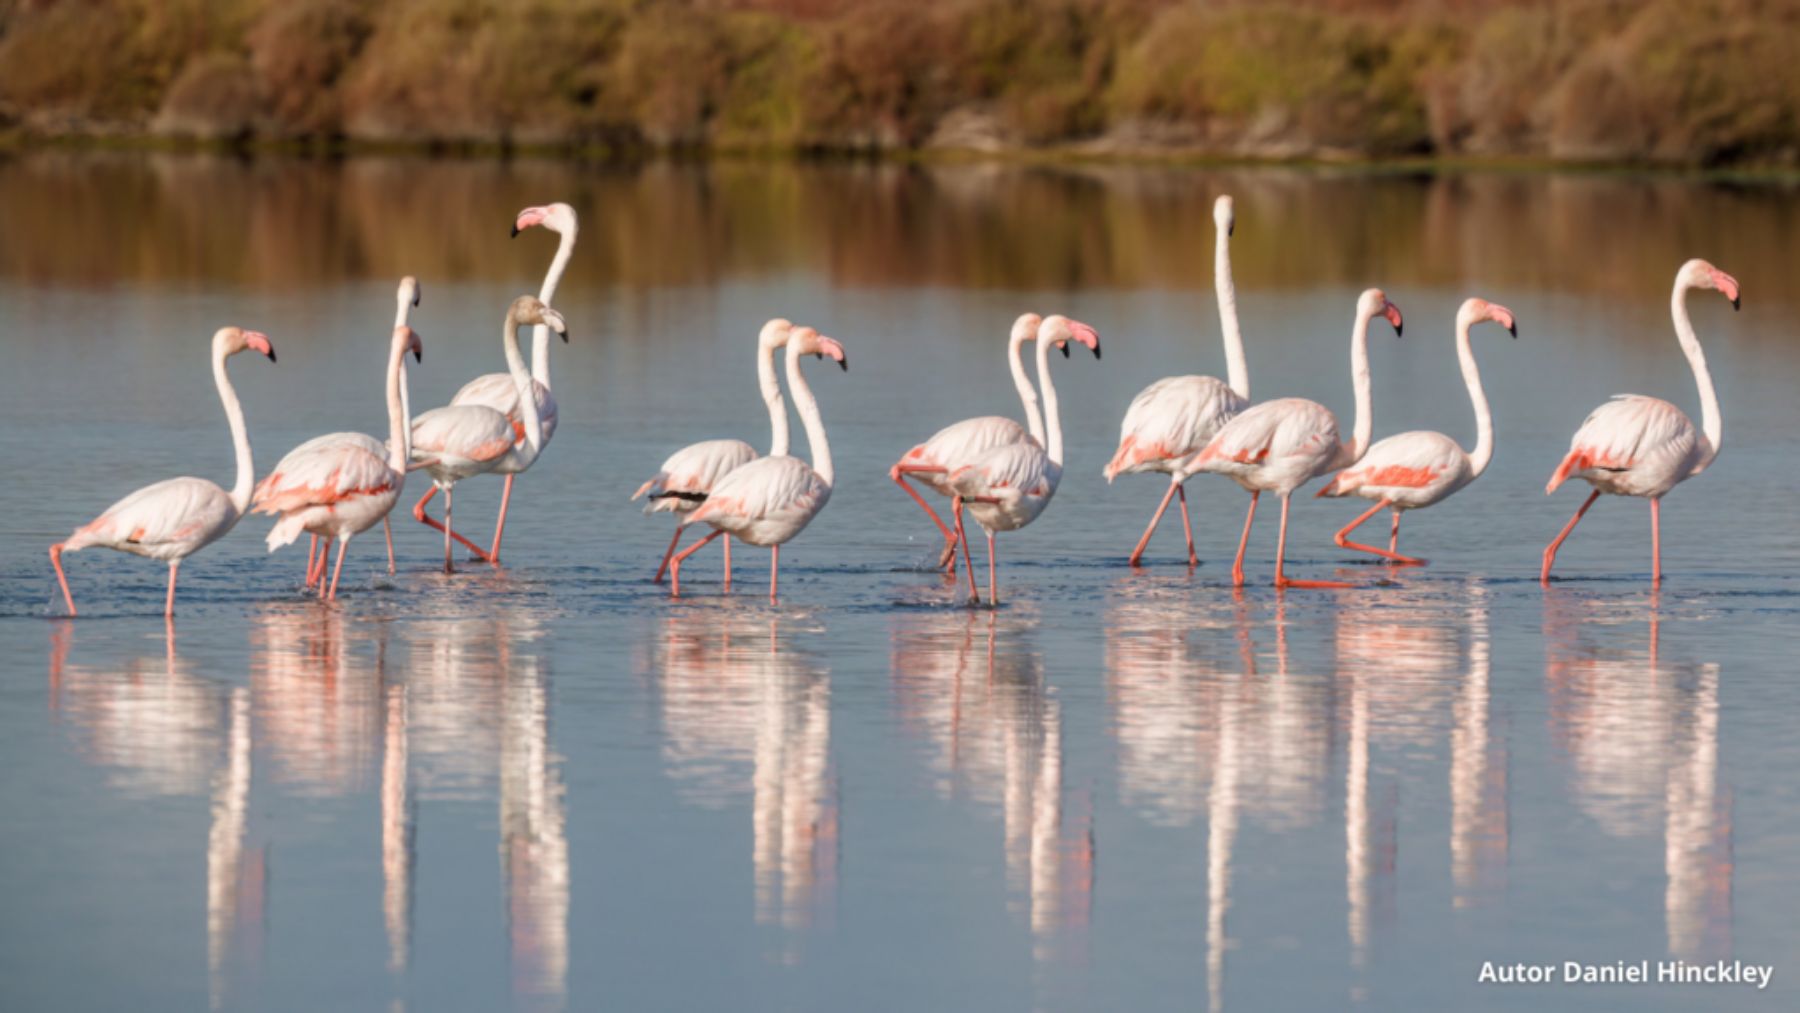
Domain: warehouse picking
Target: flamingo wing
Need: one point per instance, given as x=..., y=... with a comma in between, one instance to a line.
x=1270, y=432
x=776, y=491
x=474, y=432
x=958, y=443
x=1170, y=421
x=1629, y=432
x=1416, y=463
x=499, y=392
x=322, y=473
x=691, y=472
x=1006, y=473
x=177, y=516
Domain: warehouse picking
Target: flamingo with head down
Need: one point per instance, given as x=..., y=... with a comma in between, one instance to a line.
x=1644, y=446
x=173, y=519
x=1281, y=445
x=1417, y=469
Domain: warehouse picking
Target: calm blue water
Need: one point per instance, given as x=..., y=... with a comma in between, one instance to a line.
x=551, y=787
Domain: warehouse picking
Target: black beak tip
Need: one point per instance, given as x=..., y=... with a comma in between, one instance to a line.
x=1230, y=230
x=415, y=298
x=418, y=355
x=1736, y=304
x=515, y=232
x=1513, y=329
x=565, y=336
x=271, y=355
x=1096, y=349
x=1399, y=330
x=844, y=364
x=1065, y=349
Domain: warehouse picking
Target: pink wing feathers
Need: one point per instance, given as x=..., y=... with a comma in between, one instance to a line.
x=1628, y=432
x=1269, y=432
x=475, y=433
x=325, y=471
x=1415, y=461
x=690, y=474
x=1170, y=421
x=175, y=516
x=961, y=442
x=779, y=492
x=499, y=392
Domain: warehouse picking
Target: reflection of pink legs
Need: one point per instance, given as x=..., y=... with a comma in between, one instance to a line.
x=56, y=561
x=1656, y=541
x=962, y=538
x=1550, y=550
x=1137, y=554
x=1343, y=536
x=898, y=473
x=1281, y=579
x=774, y=568
x=675, y=564
x=169, y=602
x=1237, y=567
x=429, y=521
x=493, y=555
x=663, y=567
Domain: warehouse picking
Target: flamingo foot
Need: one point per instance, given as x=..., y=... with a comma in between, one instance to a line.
x=1326, y=584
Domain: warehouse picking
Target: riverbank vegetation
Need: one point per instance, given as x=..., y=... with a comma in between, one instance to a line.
x=1676, y=82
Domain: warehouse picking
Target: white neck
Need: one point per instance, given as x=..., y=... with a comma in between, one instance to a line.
x=1711, y=422
x=540, y=336
x=1359, y=375
x=515, y=364
x=240, y=437
x=771, y=395
x=809, y=415
x=1236, y=369
x=399, y=418
x=1052, y=416
x=1027, y=394
x=402, y=314
x=1484, y=419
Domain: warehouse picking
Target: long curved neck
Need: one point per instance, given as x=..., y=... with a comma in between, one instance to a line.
x=402, y=314
x=1711, y=422
x=809, y=415
x=515, y=364
x=1027, y=394
x=1359, y=375
x=1236, y=369
x=1484, y=419
x=540, y=335
x=1052, y=416
x=240, y=437
x=771, y=395
x=399, y=418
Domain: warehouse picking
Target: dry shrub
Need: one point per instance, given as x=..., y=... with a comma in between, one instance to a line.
x=671, y=67
x=215, y=97
x=71, y=59
x=879, y=80
x=300, y=50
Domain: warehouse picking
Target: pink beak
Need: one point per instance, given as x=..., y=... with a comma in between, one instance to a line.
x=1728, y=285
x=257, y=341
x=415, y=344
x=1503, y=316
x=1086, y=335
x=527, y=218
x=831, y=349
x=1392, y=313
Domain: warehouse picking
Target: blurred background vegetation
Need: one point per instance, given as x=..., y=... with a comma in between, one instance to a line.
x=1677, y=82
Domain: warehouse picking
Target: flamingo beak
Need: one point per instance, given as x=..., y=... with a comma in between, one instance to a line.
x=830, y=348
x=555, y=322
x=1504, y=318
x=257, y=341
x=527, y=218
x=416, y=344
x=417, y=293
x=1086, y=335
x=1728, y=285
x=1392, y=313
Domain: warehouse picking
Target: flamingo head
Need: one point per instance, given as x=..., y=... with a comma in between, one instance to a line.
x=558, y=218
x=1698, y=273
x=1476, y=310
x=1059, y=330
x=774, y=334
x=529, y=309
x=1375, y=303
x=409, y=292
x=1025, y=328
x=232, y=340
x=1223, y=216
x=808, y=341
x=409, y=340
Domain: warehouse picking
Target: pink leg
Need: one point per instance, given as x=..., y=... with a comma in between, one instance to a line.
x=449, y=567
x=993, y=582
x=898, y=474
x=1550, y=550
x=169, y=602
x=1394, y=534
x=1155, y=519
x=315, y=571
x=670, y=551
x=728, y=562
x=312, y=552
x=339, y=568
x=675, y=564
x=962, y=538
x=774, y=570
x=1342, y=538
x=1187, y=527
x=388, y=530
x=1281, y=579
x=429, y=521
x=500, y=527
x=56, y=552
x=1656, y=541
x=1237, y=567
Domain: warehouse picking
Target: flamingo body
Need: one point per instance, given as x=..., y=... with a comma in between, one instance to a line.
x=167, y=520
x=1407, y=470
x=765, y=502
x=333, y=486
x=1007, y=487
x=1276, y=446
x=959, y=444
x=686, y=479
x=1634, y=446
x=498, y=392
x=459, y=441
x=1169, y=422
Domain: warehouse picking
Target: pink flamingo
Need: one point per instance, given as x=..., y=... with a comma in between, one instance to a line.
x=460, y=440
x=1413, y=470
x=1008, y=486
x=685, y=479
x=1644, y=446
x=339, y=486
x=771, y=499
x=931, y=462
x=496, y=390
x=176, y=518
x=1282, y=445
x=1174, y=418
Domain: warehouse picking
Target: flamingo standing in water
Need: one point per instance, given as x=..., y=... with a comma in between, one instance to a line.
x=1644, y=446
x=497, y=391
x=460, y=440
x=178, y=517
x=1417, y=469
x=771, y=499
x=955, y=445
x=339, y=486
x=1174, y=418
x=1008, y=486
x=1282, y=445
x=687, y=477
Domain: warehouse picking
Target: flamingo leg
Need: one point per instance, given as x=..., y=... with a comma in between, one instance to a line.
x=1187, y=527
x=1394, y=534
x=343, y=543
x=675, y=563
x=312, y=551
x=388, y=531
x=993, y=582
x=169, y=602
x=1137, y=554
x=1342, y=538
x=315, y=570
x=1281, y=579
x=1237, y=567
x=493, y=555
x=963, y=538
x=449, y=567
x=898, y=474
x=1550, y=550
x=774, y=569
x=429, y=521
x=728, y=562
x=670, y=551
x=1656, y=541
x=56, y=552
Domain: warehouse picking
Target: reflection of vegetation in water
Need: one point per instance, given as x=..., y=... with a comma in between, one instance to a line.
x=1684, y=81
x=99, y=219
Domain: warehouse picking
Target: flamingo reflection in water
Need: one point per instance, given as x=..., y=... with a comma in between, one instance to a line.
x=974, y=689
x=745, y=707
x=1641, y=735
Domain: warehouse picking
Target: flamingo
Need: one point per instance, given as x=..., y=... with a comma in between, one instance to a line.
x=771, y=499
x=1417, y=469
x=685, y=479
x=1174, y=418
x=1282, y=445
x=175, y=518
x=1644, y=446
x=1008, y=486
x=497, y=391
x=460, y=440
x=340, y=485
x=950, y=448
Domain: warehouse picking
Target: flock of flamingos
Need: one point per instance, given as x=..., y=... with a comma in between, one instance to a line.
x=996, y=469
